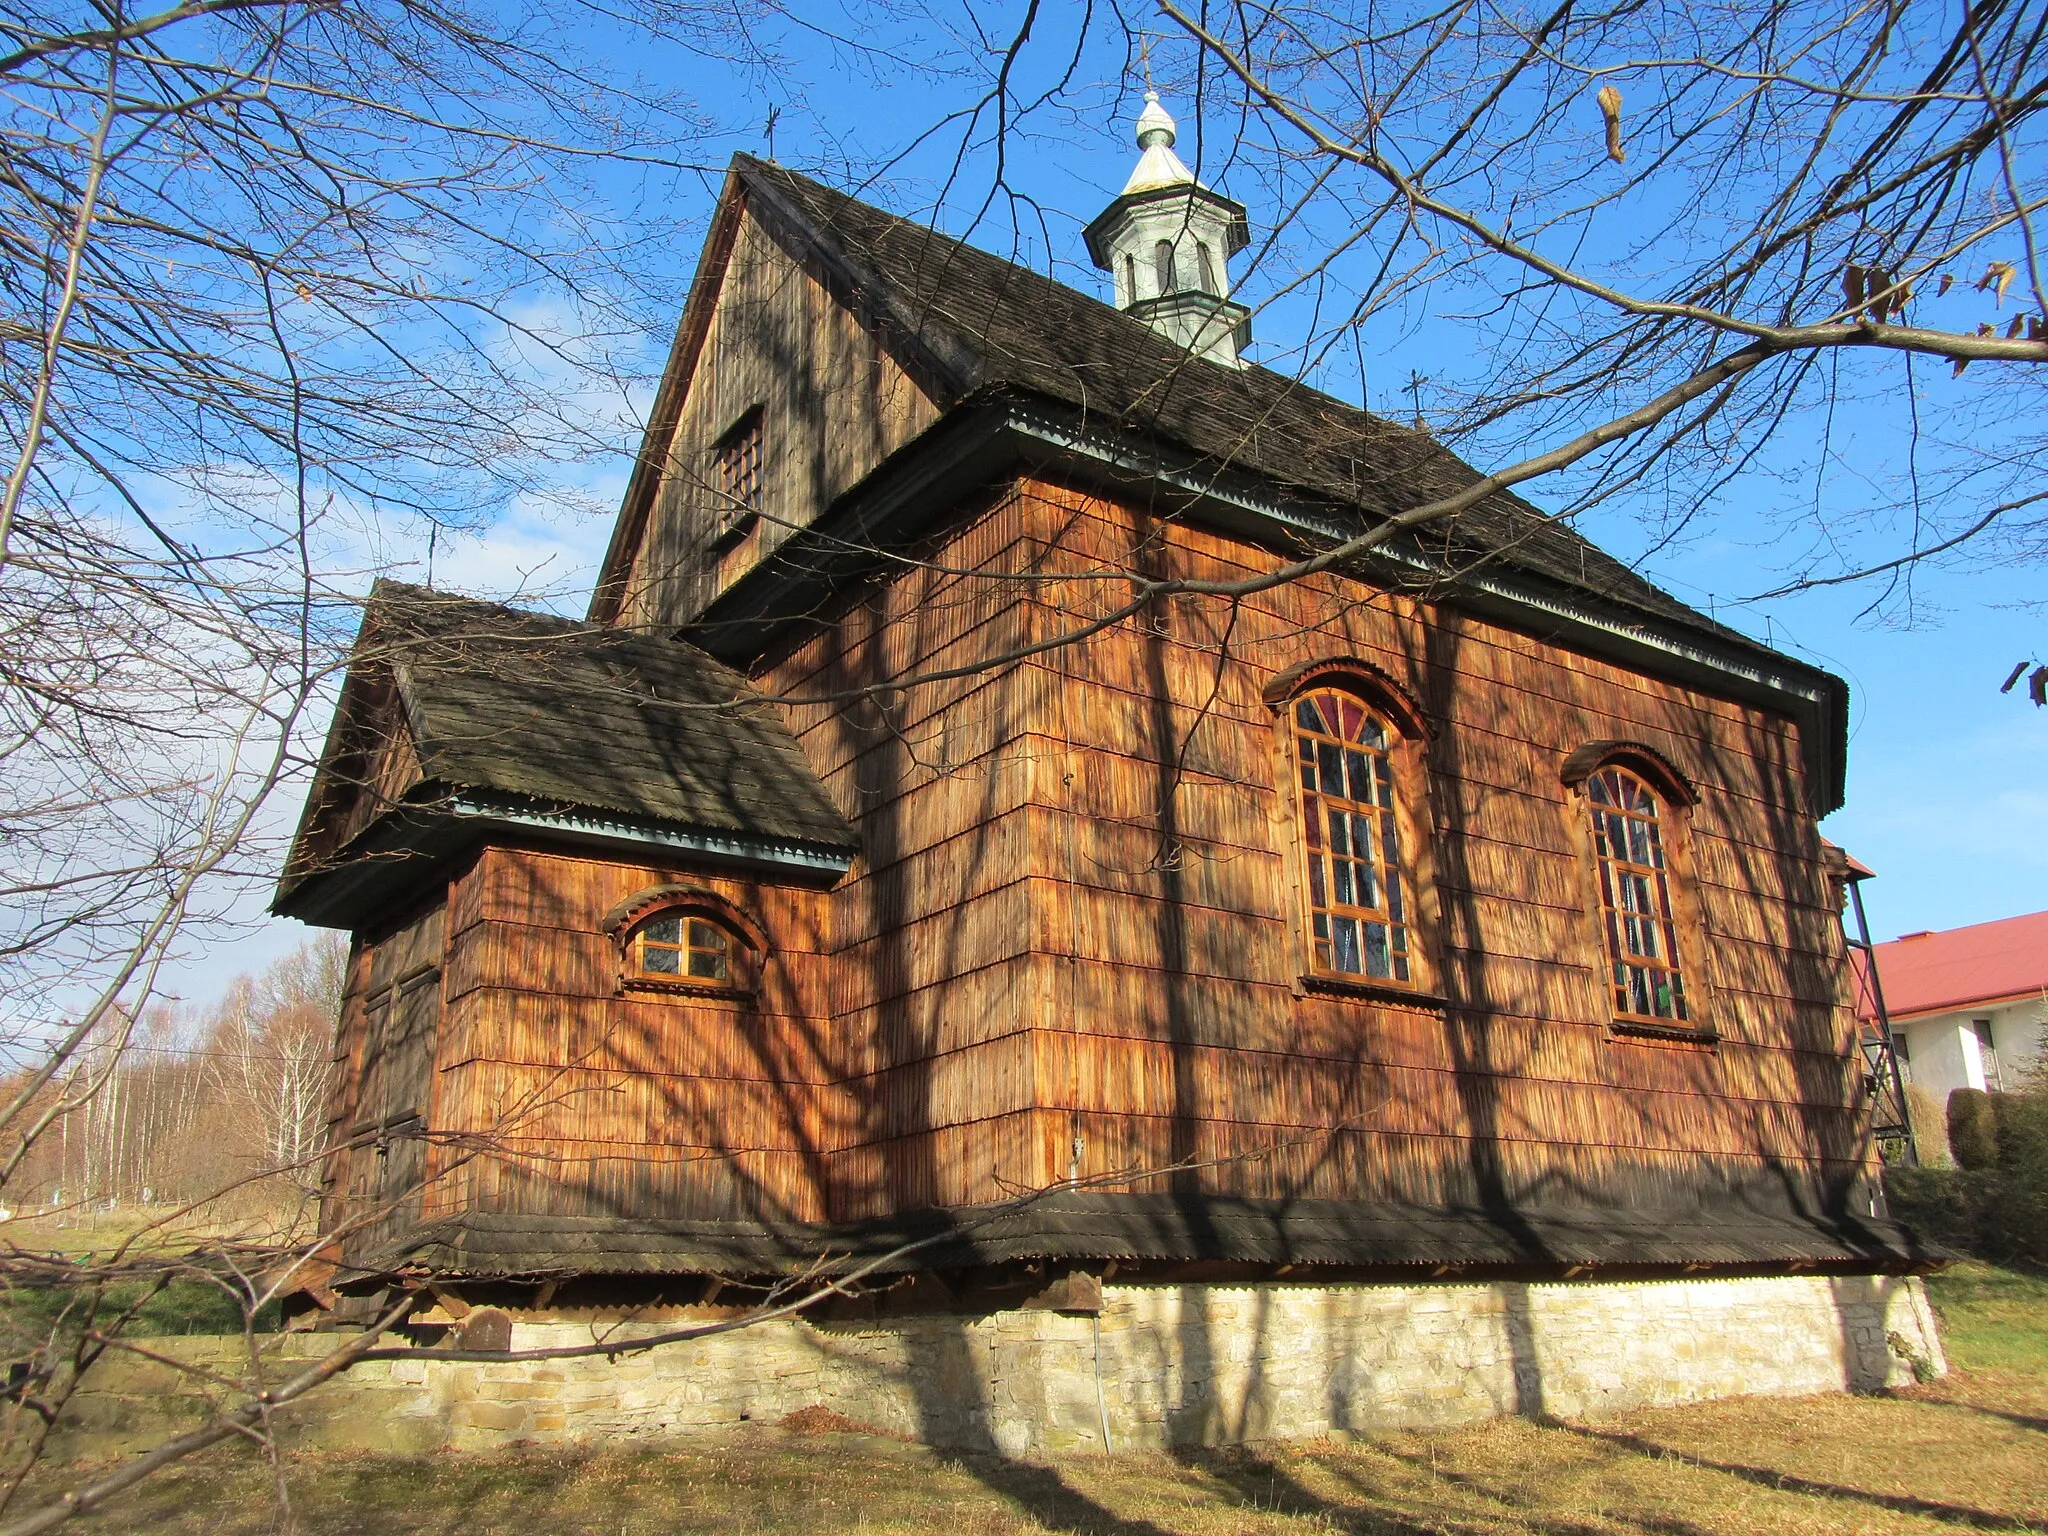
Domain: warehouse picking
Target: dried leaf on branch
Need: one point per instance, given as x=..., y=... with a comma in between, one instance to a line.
x=1610, y=109
x=1852, y=288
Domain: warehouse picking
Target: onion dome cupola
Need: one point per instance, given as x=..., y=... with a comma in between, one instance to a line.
x=1167, y=241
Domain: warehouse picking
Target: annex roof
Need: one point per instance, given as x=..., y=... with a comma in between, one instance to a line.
x=1926, y=973
x=558, y=715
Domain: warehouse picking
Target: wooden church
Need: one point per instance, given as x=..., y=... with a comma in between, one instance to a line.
x=864, y=863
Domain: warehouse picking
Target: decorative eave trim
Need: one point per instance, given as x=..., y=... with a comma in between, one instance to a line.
x=620, y=922
x=612, y=827
x=1363, y=676
x=393, y=851
x=997, y=433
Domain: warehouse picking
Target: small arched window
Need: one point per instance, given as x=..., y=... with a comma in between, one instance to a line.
x=685, y=938
x=1130, y=278
x=1632, y=843
x=1162, y=268
x=1205, y=265
x=682, y=946
x=1360, y=891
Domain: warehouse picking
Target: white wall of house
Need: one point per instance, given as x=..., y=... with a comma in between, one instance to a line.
x=1946, y=1051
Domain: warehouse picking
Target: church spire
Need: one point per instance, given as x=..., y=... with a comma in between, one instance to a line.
x=1167, y=241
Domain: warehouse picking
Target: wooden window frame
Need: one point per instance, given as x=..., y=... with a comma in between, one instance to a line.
x=745, y=944
x=1407, y=756
x=739, y=474
x=1676, y=800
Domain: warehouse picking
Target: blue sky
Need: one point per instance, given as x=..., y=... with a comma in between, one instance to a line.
x=1948, y=779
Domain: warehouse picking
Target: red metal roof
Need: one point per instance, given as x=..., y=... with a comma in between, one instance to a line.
x=1984, y=963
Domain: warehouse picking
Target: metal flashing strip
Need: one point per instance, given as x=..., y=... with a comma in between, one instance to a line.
x=1049, y=429
x=1301, y=518
x=740, y=847
x=1239, y=505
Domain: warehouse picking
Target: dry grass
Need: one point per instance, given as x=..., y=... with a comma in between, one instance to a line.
x=1967, y=1453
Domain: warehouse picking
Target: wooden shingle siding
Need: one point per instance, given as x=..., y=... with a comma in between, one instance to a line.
x=833, y=404
x=1072, y=917
x=387, y=1048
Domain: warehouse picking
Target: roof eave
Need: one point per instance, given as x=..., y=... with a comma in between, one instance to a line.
x=1921, y=1013
x=1097, y=234
x=1327, y=1236
x=998, y=433
x=394, y=851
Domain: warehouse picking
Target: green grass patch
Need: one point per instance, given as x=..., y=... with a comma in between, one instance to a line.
x=1911, y=1464
x=1993, y=1317
x=28, y=1313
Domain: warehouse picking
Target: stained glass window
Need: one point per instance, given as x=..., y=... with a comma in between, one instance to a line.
x=683, y=948
x=1358, y=891
x=1629, y=845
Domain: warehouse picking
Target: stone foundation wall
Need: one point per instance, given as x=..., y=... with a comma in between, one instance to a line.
x=1162, y=1365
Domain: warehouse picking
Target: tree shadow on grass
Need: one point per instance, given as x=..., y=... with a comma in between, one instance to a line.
x=1787, y=1482
x=2032, y=1421
x=1264, y=1485
x=1373, y=1522
x=1047, y=1497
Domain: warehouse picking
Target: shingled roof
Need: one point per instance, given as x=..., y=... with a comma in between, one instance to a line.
x=559, y=715
x=983, y=325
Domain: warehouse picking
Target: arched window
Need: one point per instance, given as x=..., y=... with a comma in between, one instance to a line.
x=1130, y=278
x=1632, y=842
x=1360, y=895
x=685, y=938
x=682, y=946
x=1162, y=268
x=1205, y=265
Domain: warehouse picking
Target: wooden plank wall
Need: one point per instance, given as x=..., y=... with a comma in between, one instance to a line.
x=1177, y=1031
x=1069, y=926
x=355, y=1181
x=1075, y=897
x=938, y=957
x=834, y=404
x=579, y=1096
x=375, y=765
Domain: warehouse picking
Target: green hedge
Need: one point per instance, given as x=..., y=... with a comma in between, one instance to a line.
x=1995, y=1205
x=1973, y=1129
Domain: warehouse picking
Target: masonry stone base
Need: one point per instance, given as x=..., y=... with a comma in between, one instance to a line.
x=1161, y=1365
